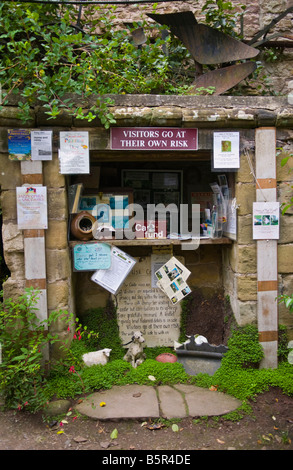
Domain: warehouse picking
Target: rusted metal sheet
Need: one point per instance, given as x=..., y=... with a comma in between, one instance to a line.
x=138, y=37
x=224, y=78
x=206, y=45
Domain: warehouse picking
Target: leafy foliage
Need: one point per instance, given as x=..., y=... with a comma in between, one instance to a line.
x=25, y=341
x=25, y=385
x=23, y=338
x=46, y=56
x=241, y=376
x=223, y=15
x=285, y=160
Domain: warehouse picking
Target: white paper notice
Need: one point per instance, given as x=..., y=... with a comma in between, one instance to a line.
x=32, y=210
x=226, y=150
x=171, y=279
x=74, y=153
x=112, y=279
x=266, y=218
x=157, y=261
x=41, y=145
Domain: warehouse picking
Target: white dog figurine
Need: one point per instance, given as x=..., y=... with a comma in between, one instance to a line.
x=97, y=357
x=135, y=354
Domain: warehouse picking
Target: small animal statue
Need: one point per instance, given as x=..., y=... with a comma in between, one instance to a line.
x=197, y=339
x=135, y=354
x=97, y=357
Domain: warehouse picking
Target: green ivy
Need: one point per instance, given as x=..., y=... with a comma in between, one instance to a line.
x=224, y=16
x=24, y=339
x=45, y=57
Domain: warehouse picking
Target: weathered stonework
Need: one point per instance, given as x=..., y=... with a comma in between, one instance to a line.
x=212, y=267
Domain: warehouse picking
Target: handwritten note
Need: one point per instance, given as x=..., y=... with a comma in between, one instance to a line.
x=91, y=256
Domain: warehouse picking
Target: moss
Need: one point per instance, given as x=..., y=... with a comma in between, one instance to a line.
x=104, y=322
x=239, y=374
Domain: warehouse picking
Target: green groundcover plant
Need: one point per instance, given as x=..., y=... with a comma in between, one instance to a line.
x=27, y=384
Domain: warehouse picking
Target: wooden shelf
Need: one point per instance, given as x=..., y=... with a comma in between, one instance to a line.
x=157, y=242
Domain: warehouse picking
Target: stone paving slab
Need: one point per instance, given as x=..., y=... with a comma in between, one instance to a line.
x=203, y=402
x=172, y=403
x=126, y=402
x=144, y=402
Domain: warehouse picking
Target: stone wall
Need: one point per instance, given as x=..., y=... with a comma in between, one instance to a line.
x=58, y=266
x=276, y=63
x=237, y=272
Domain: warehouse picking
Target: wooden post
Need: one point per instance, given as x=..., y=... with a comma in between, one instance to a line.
x=34, y=244
x=267, y=268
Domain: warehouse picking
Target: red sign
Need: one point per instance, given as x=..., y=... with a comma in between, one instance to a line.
x=153, y=138
x=150, y=229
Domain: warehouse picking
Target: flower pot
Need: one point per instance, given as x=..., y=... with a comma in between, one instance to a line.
x=82, y=226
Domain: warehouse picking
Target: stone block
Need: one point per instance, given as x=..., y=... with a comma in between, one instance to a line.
x=285, y=257
x=245, y=196
x=284, y=173
x=12, y=237
x=9, y=117
x=63, y=119
x=52, y=176
x=247, y=262
x=285, y=193
x=168, y=116
x=15, y=263
x=8, y=204
x=10, y=175
x=286, y=229
x=58, y=265
x=287, y=284
x=136, y=116
x=61, y=324
x=56, y=234
x=247, y=288
x=57, y=203
x=230, y=256
x=58, y=295
x=13, y=288
x=244, y=174
x=247, y=313
x=244, y=229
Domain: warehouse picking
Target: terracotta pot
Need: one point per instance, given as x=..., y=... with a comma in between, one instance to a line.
x=82, y=225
